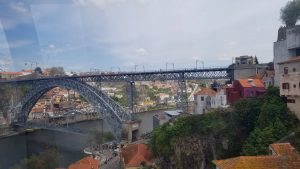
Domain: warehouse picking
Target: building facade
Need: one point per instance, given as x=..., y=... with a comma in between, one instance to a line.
x=286, y=47
x=207, y=98
x=290, y=83
x=244, y=88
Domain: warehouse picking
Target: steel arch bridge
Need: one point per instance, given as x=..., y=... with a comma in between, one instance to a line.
x=114, y=114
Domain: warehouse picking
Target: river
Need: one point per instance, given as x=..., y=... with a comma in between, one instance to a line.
x=15, y=148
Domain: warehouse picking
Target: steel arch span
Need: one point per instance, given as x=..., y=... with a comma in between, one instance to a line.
x=112, y=113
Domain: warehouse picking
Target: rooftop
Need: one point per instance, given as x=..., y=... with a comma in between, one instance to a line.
x=284, y=157
x=85, y=163
x=134, y=154
x=173, y=112
x=206, y=91
x=251, y=83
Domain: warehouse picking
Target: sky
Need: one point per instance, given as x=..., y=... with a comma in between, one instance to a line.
x=84, y=35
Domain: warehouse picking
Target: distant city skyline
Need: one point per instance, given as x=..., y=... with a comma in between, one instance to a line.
x=112, y=34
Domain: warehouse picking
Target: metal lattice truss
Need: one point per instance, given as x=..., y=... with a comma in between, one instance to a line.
x=216, y=73
x=113, y=113
x=188, y=74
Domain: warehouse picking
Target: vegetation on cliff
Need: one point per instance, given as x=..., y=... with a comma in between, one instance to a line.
x=247, y=128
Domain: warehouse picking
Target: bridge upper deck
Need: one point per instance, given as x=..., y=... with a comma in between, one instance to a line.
x=186, y=74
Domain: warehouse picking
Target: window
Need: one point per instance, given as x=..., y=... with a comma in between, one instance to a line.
x=290, y=101
x=286, y=70
x=294, y=69
x=295, y=85
x=285, y=86
x=202, y=98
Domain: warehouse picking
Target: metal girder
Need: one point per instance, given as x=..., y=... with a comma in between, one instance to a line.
x=188, y=74
x=112, y=113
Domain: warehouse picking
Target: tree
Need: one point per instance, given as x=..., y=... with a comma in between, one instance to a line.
x=290, y=13
x=256, y=60
x=49, y=159
x=56, y=71
x=258, y=141
x=248, y=111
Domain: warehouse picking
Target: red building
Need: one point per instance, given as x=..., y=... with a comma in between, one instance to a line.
x=244, y=88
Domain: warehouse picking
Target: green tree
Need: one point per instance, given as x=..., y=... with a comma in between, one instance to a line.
x=258, y=141
x=56, y=71
x=290, y=13
x=256, y=60
x=247, y=111
x=51, y=158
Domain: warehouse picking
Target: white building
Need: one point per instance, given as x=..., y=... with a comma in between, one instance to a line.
x=207, y=98
x=286, y=47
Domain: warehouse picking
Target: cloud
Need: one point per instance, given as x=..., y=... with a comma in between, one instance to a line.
x=141, y=51
x=19, y=43
x=4, y=61
x=232, y=44
x=97, y=3
x=18, y=7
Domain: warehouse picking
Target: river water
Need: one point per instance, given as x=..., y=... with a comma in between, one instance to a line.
x=14, y=149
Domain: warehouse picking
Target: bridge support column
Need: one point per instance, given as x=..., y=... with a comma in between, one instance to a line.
x=182, y=102
x=131, y=94
x=133, y=130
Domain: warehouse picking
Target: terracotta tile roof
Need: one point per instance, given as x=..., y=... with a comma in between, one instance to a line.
x=250, y=162
x=293, y=59
x=206, y=91
x=282, y=148
x=251, y=82
x=284, y=158
x=85, y=163
x=134, y=154
x=11, y=73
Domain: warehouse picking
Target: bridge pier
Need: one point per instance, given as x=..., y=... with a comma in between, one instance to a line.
x=133, y=130
x=182, y=102
x=131, y=94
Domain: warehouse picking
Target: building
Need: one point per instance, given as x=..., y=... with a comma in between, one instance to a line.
x=290, y=83
x=282, y=155
x=133, y=155
x=162, y=118
x=244, y=88
x=245, y=60
x=286, y=47
x=85, y=163
x=268, y=78
x=9, y=75
x=207, y=98
x=245, y=71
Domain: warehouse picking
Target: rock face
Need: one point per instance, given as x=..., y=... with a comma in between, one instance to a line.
x=191, y=153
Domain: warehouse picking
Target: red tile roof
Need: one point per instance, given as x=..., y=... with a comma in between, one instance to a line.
x=282, y=148
x=251, y=83
x=11, y=73
x=134, y=154
x=85, y=163
x=206, y=91
x=284, y=157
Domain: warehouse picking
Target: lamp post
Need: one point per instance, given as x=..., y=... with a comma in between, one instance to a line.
x=167, y=63
x=201, y=62
x=135, y=66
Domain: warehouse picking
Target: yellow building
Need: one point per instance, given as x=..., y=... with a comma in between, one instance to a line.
x=290, y=83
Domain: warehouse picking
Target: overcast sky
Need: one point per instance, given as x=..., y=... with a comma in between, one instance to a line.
x=106, y=34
